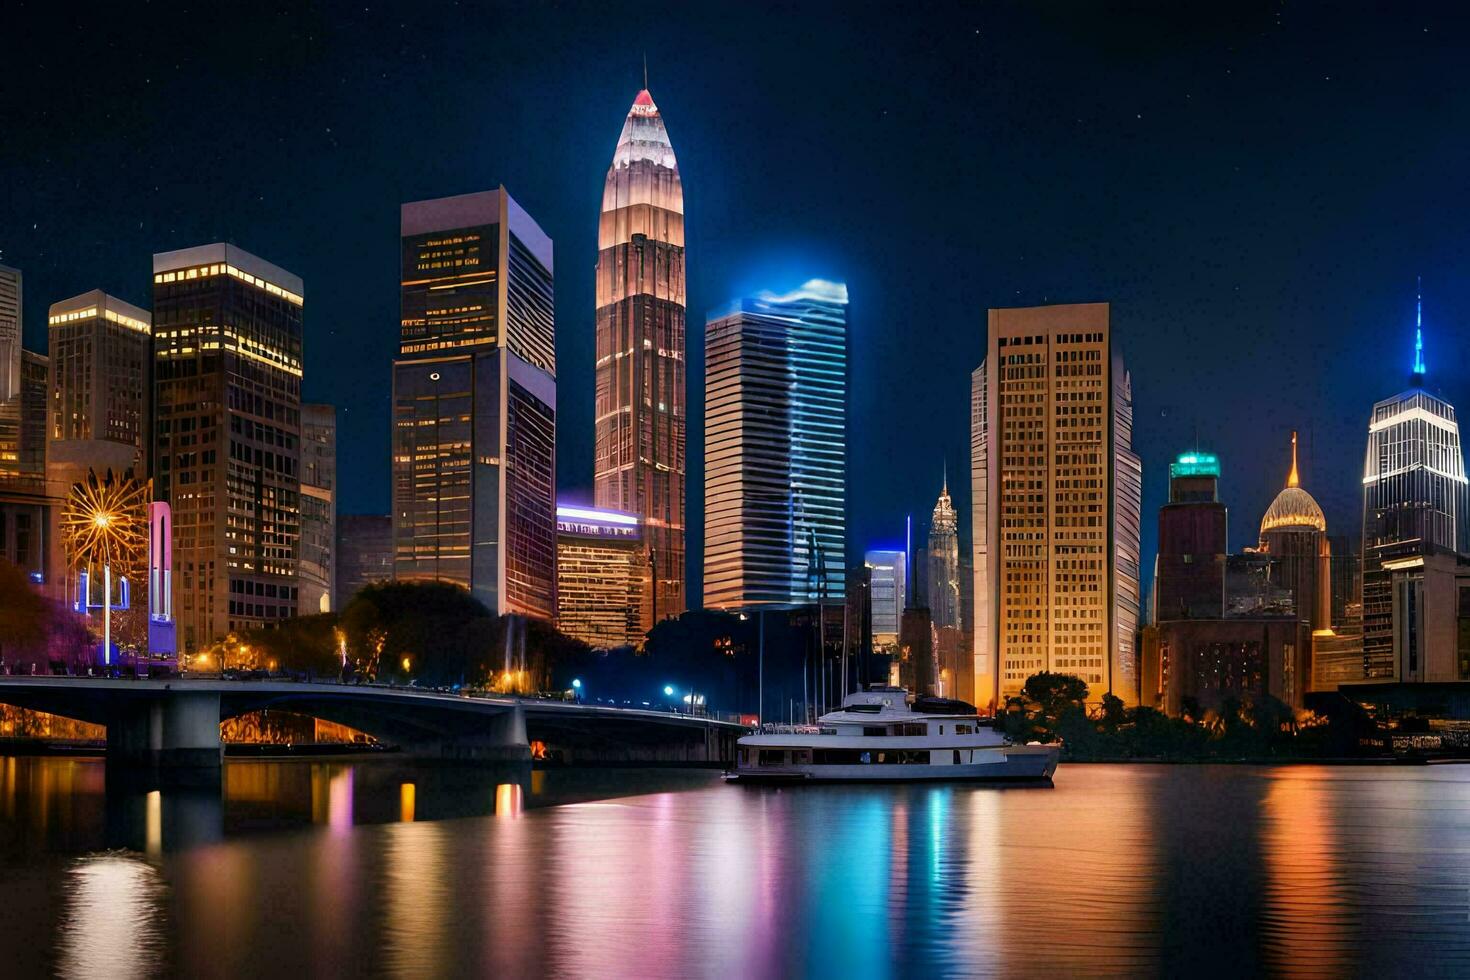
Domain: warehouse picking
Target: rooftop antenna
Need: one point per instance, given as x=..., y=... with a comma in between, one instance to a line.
x=645, y=71
x=1292, y=480
x=1419, y=369
x=945, y=488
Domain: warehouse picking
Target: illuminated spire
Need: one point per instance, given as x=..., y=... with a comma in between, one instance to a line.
x=1419, y=368
x=1292, y=480
x=946, y=477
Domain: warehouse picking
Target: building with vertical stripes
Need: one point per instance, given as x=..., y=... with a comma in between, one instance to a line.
x=776, y=449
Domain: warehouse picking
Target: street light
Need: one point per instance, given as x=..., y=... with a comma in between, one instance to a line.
x=577, y=687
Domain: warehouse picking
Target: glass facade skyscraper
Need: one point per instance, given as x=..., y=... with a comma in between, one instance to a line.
x=640, y=418
x=1058, y=493
x=775, y=425
x=1414, y=507
x=474, y=403
x=227, y=350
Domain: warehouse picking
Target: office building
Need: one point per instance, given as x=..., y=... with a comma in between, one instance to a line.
x=474, y=404
x=227, y=348
x=1210, y=661
x=775, y=491
x=888, y=581
x=1294, y=530
x=640, y=417
x=318, y=509
x=601, y=577
x=1056, y=516
x=982, y=608
x=97, y=404
x=1189, y=571
x=1414, y=527
x=364, y=553
x=943, y=562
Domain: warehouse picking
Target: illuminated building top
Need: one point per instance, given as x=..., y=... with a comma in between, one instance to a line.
x=1194, y=464
x=96, y=303
x=591, y=522
x=1293, y=506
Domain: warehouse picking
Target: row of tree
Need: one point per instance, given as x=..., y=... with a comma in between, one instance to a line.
x=1052, y=708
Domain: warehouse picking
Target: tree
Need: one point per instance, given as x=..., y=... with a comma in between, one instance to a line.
x=1114, y=711
x=23, y=614
x=1054, y=693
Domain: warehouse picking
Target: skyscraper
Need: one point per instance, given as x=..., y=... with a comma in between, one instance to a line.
x=1294, y=530
x=474, y=403
x=775, y=489
x=227, y=349
x=1414, y=508
x=982, y=607
x=944, y=562
x=1189, y=571
x=1056, y=562
x=101, y=356
x=11, y=305
x=318, y=509
x=640, y=418
x=889, y=579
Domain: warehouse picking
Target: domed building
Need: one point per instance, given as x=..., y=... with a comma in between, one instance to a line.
x=1294, y=531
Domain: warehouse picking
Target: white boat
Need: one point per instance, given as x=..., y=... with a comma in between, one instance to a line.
x=879, y=736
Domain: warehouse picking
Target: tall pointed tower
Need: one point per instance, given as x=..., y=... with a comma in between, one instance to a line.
x=944, y=560
x=640, y=418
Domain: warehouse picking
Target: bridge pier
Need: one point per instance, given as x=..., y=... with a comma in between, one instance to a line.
x=173, y=730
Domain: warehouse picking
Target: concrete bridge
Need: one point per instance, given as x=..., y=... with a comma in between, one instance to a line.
x=174, y=723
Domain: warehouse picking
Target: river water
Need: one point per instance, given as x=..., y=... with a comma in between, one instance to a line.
x=380, y=868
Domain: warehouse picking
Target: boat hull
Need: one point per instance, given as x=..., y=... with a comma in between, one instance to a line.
x=1017, y=765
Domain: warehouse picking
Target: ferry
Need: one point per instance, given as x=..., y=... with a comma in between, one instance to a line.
x=878, y=735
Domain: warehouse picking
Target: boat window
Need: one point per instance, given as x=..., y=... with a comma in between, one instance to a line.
x=772, y=757
x=802, y=757
x=910, y=728
x=875, y=729
x=839, y=757
x=956, y=756
x=964, y=729
x=866, y=709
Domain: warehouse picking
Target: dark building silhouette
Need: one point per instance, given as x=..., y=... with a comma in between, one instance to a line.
x=1189, y=572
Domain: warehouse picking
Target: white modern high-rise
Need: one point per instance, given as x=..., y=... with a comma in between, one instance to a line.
x=1415, y=507
x=1057, y=498
x=776, y=449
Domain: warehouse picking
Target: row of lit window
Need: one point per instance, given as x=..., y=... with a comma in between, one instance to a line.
x=91, y=311
x=205, y=271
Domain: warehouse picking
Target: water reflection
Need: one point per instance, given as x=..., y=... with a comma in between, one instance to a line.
x=111, y=926
x=1121, y=870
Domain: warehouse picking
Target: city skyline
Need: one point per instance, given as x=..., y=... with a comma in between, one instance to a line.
x=1355, y=298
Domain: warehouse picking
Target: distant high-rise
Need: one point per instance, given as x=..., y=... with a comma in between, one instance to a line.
x=227, y=349
x=101, y=357
x=364, y=553
x=889, y=578
x=775, y=492
x=640, y=418
x=1056, y=516
x=11, y=296
x=1414, y=507
x=318, y=509
x=474, y=403
x=1294, y=530
x=944, y=562
x=982, y=606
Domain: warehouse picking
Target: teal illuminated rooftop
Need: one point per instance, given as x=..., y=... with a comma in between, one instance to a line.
x=1195, y=464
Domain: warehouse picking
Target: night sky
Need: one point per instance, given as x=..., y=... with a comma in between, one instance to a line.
x=1254, y=190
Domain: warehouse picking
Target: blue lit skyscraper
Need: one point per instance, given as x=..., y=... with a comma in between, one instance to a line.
x=1414, y=507
x=776, y=449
